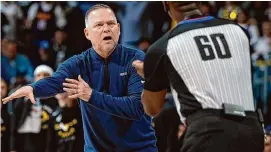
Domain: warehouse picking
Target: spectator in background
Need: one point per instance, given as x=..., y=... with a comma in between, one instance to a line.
x=256, y=11
x=161, y=21
x=24, y=5
x=54, y=52
x=131, y=22
x=47, y=55
x=267, y=12
x=263, y=46
x=206, y=8
x=16, y=68
x=14, y=15
x=5, y=120
x=144, y=44
x=229, y=11
x=28, y=48
x=32, y=121
x=60, y=47
x=74, y=30
x=4, y=45
x=43, y=18
x=65, y=131
x=253, y=31
x=210, y=7
x=4, y=23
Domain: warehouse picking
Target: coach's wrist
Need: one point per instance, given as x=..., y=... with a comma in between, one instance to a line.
x=92, y=95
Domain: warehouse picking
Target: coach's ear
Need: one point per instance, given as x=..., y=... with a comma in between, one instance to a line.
x=119, y=28
x=87, y=34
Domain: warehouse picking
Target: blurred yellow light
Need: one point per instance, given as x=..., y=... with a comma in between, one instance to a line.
x=233, y=15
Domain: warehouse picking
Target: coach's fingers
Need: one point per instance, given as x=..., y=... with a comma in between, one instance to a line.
x=11, y=97
x=82, y=80
x=32, y=99
x=7, y=99
x=72, y=91
x=73, y=96
x=70, y=85
x=72, y=81
x=138, y=64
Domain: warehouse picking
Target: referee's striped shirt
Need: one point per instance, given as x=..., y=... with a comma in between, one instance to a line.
x=207, y=63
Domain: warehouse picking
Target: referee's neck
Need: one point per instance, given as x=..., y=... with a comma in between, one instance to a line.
x=193, y=14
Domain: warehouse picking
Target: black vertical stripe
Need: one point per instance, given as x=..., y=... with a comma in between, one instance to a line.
x=106, y=77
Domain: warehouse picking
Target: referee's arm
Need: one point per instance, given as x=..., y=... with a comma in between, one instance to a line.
x=156, y=81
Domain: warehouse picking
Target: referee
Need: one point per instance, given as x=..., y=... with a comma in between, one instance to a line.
x=207, y=63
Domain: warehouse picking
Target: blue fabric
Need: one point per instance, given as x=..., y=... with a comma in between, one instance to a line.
x=20, y=66
x=111, y=122
x=268, y=128
x=196, y=20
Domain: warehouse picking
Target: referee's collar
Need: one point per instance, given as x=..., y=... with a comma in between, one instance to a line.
x=196, y=20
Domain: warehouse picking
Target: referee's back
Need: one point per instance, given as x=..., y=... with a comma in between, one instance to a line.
x=207, y=63
x=210, y=64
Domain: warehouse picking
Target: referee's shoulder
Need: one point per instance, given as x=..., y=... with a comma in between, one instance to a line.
x=222, y=21
x=234, y=23
x=183, y=28
x=160, y=44
x=226, y=21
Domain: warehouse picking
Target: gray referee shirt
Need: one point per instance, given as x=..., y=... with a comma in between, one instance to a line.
x=207, y=63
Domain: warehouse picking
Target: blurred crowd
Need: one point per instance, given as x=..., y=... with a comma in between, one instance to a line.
x=36, y=37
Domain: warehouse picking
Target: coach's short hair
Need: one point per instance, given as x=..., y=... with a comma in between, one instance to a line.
x=95, y=7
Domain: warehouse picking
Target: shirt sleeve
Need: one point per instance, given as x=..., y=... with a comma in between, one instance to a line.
x=50, y=86
x=128, y=107
x=154, y=67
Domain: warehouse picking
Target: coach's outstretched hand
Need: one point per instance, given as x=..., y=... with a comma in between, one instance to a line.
x=77, y=89
x=26, y=91
x=139, y=66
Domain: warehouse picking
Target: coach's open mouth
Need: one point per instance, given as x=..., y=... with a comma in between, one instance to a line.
x=107, y=38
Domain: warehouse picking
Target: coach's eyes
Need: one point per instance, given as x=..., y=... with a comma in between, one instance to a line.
x=99, y=25
x=111, y=24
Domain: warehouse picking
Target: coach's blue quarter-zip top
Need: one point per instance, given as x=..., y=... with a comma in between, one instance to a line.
x=113, y=118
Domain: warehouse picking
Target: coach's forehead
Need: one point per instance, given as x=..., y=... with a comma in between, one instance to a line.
x=101, y=14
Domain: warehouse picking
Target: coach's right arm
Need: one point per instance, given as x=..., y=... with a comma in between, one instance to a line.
x=49, y=86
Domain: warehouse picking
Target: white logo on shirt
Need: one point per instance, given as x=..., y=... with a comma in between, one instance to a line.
x=123, y=74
